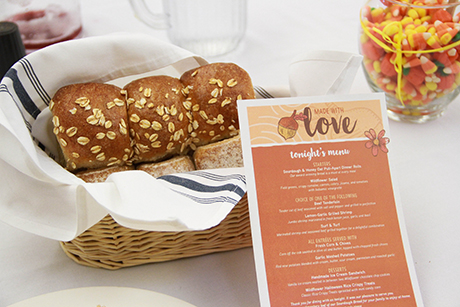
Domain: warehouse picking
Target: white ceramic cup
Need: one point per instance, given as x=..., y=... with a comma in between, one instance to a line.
x=323, y=72
x=205, y=27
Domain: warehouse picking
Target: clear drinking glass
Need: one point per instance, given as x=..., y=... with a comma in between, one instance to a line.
x=43, y=22
x=411, y=52
x=205, y=27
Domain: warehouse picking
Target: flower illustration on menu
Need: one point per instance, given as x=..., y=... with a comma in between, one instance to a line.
x=376, y=142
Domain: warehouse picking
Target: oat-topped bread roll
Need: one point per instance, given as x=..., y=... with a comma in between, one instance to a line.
x=213, y=90
x=223, y=154
x=158, y=120
x=90, y=124
x=179, y=164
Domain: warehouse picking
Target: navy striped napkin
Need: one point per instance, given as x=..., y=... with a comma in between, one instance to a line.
x=208, y=187
x=186, y=201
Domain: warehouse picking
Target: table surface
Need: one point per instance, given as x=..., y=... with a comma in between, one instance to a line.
x=425, y=157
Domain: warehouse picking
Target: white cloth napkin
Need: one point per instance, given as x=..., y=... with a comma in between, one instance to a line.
x=41, y=197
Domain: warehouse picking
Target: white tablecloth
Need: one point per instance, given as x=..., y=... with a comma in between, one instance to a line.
x=426, y=158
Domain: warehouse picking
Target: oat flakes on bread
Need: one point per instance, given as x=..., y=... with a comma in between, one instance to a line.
x=152, y=119
x=223, y=154
x=179, y=164
x=158, y=120
x=212, y=92
x=90, y=125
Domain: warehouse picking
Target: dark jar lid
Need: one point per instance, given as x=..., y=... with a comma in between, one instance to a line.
x=11, y=46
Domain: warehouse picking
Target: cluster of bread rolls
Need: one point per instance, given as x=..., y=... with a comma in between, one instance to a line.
x=159, y=124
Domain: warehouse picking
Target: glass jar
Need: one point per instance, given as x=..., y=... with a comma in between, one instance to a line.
x=411, y=52
x=43, y=22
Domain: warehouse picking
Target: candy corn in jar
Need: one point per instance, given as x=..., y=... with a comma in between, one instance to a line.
x=411, y=52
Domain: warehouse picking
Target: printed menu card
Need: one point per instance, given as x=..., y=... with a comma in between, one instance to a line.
x=325, y=215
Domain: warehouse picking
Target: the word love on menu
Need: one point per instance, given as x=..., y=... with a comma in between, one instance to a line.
x=326, y=219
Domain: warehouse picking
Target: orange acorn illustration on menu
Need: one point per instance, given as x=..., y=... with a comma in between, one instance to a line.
x=287, y=126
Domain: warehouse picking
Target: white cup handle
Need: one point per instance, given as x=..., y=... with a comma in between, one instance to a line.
x=143, y=13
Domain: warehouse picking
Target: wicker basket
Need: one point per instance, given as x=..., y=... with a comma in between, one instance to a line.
x=111, y=246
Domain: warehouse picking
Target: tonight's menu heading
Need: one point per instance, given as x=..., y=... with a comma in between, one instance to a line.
x=324, y=211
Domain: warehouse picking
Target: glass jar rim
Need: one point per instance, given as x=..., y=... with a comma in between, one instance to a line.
x=425, y=6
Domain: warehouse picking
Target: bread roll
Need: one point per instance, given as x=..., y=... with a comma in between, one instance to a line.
x=101, y=174
x=153, y=119
x=212, y=94
x=158, y=120
x=90, y=125
x=179, y=164
x=222, y=154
